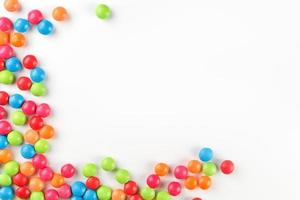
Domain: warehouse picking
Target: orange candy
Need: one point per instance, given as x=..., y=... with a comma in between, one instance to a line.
x=204, y=182
x=161, y=169
x=36, y=184
x=17, y=39
x=191, y=182
x=31, y=136
x=12, y=5
x=118, y=194
x=46, y=132
x=6, y=155
x=57, y=180
x=60, y=14
x=194, y=166
x=4, y=38
x=27, y=169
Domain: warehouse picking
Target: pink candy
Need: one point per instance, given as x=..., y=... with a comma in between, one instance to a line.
x=39, y=161
x=29, y=107
x=43, y=110
x=51, y=194
x=153, y=181
x=65, y=191
x=181, y=172
x=68, y=170
x=6, y=51
x=6, y=24
x=46, y=174
x=174, y=188
x=5, y=127
x=35, y=16
x=3, y=113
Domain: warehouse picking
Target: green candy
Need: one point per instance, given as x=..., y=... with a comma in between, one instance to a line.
x=19, y=118
x=5, y=180
x=122, y=176
x=108, y=164
x=11, y=168
x=38, y=89
x=163, y=196
x=89, y=170
x=37, y=196
x=148, y=193
x=104, y=193
x=41, y=146
x=6, y=77
x=15, y=138
x=103, y=11
x=209, y=169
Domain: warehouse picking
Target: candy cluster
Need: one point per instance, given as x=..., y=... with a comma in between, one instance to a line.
x=35, y=179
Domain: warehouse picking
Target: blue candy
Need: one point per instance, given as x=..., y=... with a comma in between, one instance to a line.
x=22, y=25
x=6, y=193
x=3, y=142
x=13, y=64
x=206, y=154
x=90, y=195
x=37, y=75
x=45, y=27
x=76, y=198
x=78, y=189
x=28, y=151
x=16, y=101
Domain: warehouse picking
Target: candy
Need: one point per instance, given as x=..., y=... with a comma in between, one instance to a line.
x=153, y=181
x=3, y=142
x=4, y=97
x=38, y=89
x=135, y=197
x=30, y=62
x=104, y=193
x=6, y=51
x=31, y=136
x=20, y=180
x=5, y=180
x=161, y=169
x=89, y=170
x=46, y=132
x=78, y=188
x=3, y=113
x=191, y=182
x=103, y=11
x=16, y=100
x=6, y=24
x=131, y=188
x=197, y=198
x=36, y=184
x=37, y=196
x=57, y=180
x=39, y=161
x=12, y=5
x=147, y=193
x=17, y=39
x=90, y=195
x=122, y=176
x=68, y=170
x=206, y=154
x=29, y=107
x=13, y=64
x=204, y=182
x=5, y=156
x=60, y=13
x=162, y=195
x=23, y=192
x=180, y=172
x=37, y=75
x=46, y=174
x=65, y=191
x=51, y=194
x=11, y=168
x=36, y=122
x=108, y=164
x=174, y=188
x=4, y=39
x=15, y=138
x=6, y=77
x=93, y=183
x=45, y=27
x=27, y=168
x=43, y=110
x=18, y=118
x=6, y=193
x=227, y=167
x=41, y=146
x=22, y=25
x=24, y=83
x=209, y=169
x=35, y=17
x=118, y=194
x=5, y=127
x=27, y=151
x=194, y=166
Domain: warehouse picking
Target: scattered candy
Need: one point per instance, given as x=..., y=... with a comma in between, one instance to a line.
x=60, y=13
x=206, y=154
x=174, y=188
x=45, y=27
x=12, y=5
x=103, y=11
x=204, y=182
x=22, y=25
x=180, y=172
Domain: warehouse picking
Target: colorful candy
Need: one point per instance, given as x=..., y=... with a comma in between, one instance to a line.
x=227, y=166
x=180, y=172
x=103, y=11
x=174, y=188
x=206, y=154
x=60, y=13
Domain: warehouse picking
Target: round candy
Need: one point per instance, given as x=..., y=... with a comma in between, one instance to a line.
x=194, y=166
x=37, y=196
x=180, y=172
x=20, y=180
x=38, y=89
x=31, y=136
x=17, y=39
x=227, y=166
x=153, y=181
x=4, y=97
x=27, y=168
x=4, y=39
x=162, y=195
x=6, y=51
x=102, y=11
x=19, y=118
x=197, y=198
x=191, y=182
x=24, y=83
x=3, y=142
x=35, y=16
x=6, y=193
x=131, y=188
x=148, y=193
x=41, y=146
x=65, y=191
x=174, y=188
x=45, y=27
x=36, y=184
x=12, y=5
x=16, y=100
x=89, y=170
x=22, y=25
x=108, y=164
x=204, y=182
x=46, y=132
x=36, y=122
x=11, y=168
x=104, y=193
x=93, y=183
x=60, y=13
x=37, y=74
x=78, y=188
x=5, y=180
x=43, y=110
x=6, y=24
x=5, y=156
x=6, y=77
x=90, y=195
x=206, y=154
x=27, y=151
x=23, y=192
x=3, y=113
x=122, y=176
x=135, y=197
x=118, y=194
x=30, y=62
x=29, y=107
x=46, y=174
x=13, y=64
x=209, y=169
x=57, y=180
x=5, y=127
x=15, y=138
x=39, y=161
x=68, y=170
x=161, y=169
x=51, y=194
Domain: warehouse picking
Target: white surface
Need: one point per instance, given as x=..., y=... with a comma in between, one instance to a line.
x=162, y=79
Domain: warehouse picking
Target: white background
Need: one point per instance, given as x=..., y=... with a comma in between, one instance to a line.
x=164, y=78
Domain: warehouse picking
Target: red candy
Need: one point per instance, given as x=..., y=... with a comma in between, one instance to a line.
x=68, y=170
x=24, y=83
x=39, y=161
x=6, y=24
x=35, y=16
x=135, y=197
x=46, y=174
x=23, y=192
x=197, y=198
x=180, y=172
x=30, y=62
x=2, y=64
x=93, y=183
x=3, y=113
x=153, y=181
x=36, y=122
x=65, y=191
x=20, y=180
x=131, y=188
x=4, y=97
x=51, y=194
x=5, y=127
x=227, y=166
x=29, y=107
x=43, y=110
x=174, y=188
x=6, y=52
